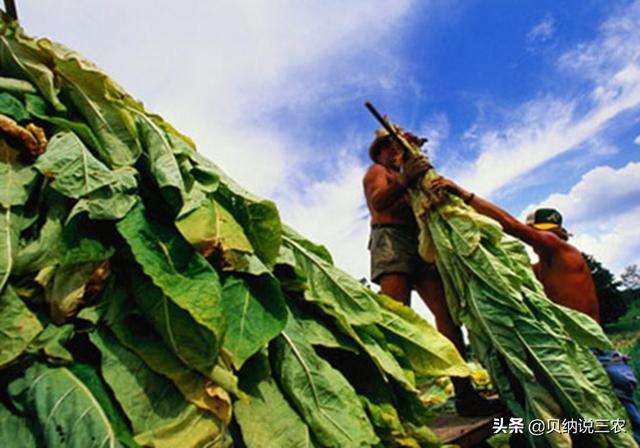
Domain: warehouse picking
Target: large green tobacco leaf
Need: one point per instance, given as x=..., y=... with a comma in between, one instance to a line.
x=81, y=243
x=317, y=328
x=255, y=314
x=357, y=312
x=60, y=241
x=15, y=430
x=266, y=419
x=91, y=378
x=211, y=227
x=195, y=345
x=16, y=181
x=330, y=288
x=37, y=107
x=161, y=161
x=309, y=246
x=135, y=333
x=65, y=410
x=260, y=220
x=8, y=242
x=391, y=428
x=34, y=254
x=112, y=201
x=428, y=352
x=193, y=171
x=379, y=350
x=331, y=291
x=18, y=326
x=323, y=397
x=159, y=414
x=74, y=171
x=23, y=58
x=16, y=178
x=182, y=276
x=573, y=372
x=100, y=102
x=258, y=217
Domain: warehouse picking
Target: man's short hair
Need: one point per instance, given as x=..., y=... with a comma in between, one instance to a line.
x=545, y=219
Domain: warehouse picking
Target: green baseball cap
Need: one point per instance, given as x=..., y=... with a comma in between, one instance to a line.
x=545, y=219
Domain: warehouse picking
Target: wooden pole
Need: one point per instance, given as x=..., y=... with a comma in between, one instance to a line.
x=10, y=8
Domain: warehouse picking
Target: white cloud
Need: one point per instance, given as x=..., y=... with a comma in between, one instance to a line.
x=219, y=71
x=436, y=128
x=333, y=212
x=637, y=140
x=603, y=211
x=542, y=31
x=617, y=46
x=546, y=127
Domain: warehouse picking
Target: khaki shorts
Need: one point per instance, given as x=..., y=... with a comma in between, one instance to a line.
x=394, y=250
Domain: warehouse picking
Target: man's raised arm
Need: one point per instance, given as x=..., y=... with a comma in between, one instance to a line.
x=537, y=239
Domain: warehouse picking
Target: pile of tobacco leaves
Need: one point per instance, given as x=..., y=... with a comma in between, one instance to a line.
x=148, y=300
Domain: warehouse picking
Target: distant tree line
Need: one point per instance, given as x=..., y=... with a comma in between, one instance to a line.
x=615, y=296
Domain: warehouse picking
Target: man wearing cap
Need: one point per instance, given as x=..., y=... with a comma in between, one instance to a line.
x=565, y=276
x=395, y=263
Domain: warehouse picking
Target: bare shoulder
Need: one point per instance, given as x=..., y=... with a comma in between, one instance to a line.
x=375, y=171
x=571, y=251
x=568, y=252
x=547, y=241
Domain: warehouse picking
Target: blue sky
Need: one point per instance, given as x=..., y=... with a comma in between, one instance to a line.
x=528, y=103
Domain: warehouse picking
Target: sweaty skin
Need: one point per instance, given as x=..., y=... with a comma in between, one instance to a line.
x=564, y=274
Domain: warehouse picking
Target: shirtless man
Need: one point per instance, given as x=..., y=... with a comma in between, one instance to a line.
x=564, y=274
x=395, y=263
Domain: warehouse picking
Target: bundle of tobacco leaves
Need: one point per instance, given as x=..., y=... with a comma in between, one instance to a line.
x=537, y=352
x=148, y=300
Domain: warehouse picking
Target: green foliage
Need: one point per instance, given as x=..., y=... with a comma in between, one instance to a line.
x=179, y=291
x=536, y=352
x=12, y=107
x=612, y=303
x=146, y=299
x=66, y=412
x=18, y=326
x=151, y=402
x=266, y=418
x=324, y=398
x=15, y=430
x=631, y=278
x=255, y=315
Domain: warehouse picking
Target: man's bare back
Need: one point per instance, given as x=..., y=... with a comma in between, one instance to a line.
x=565, y=276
